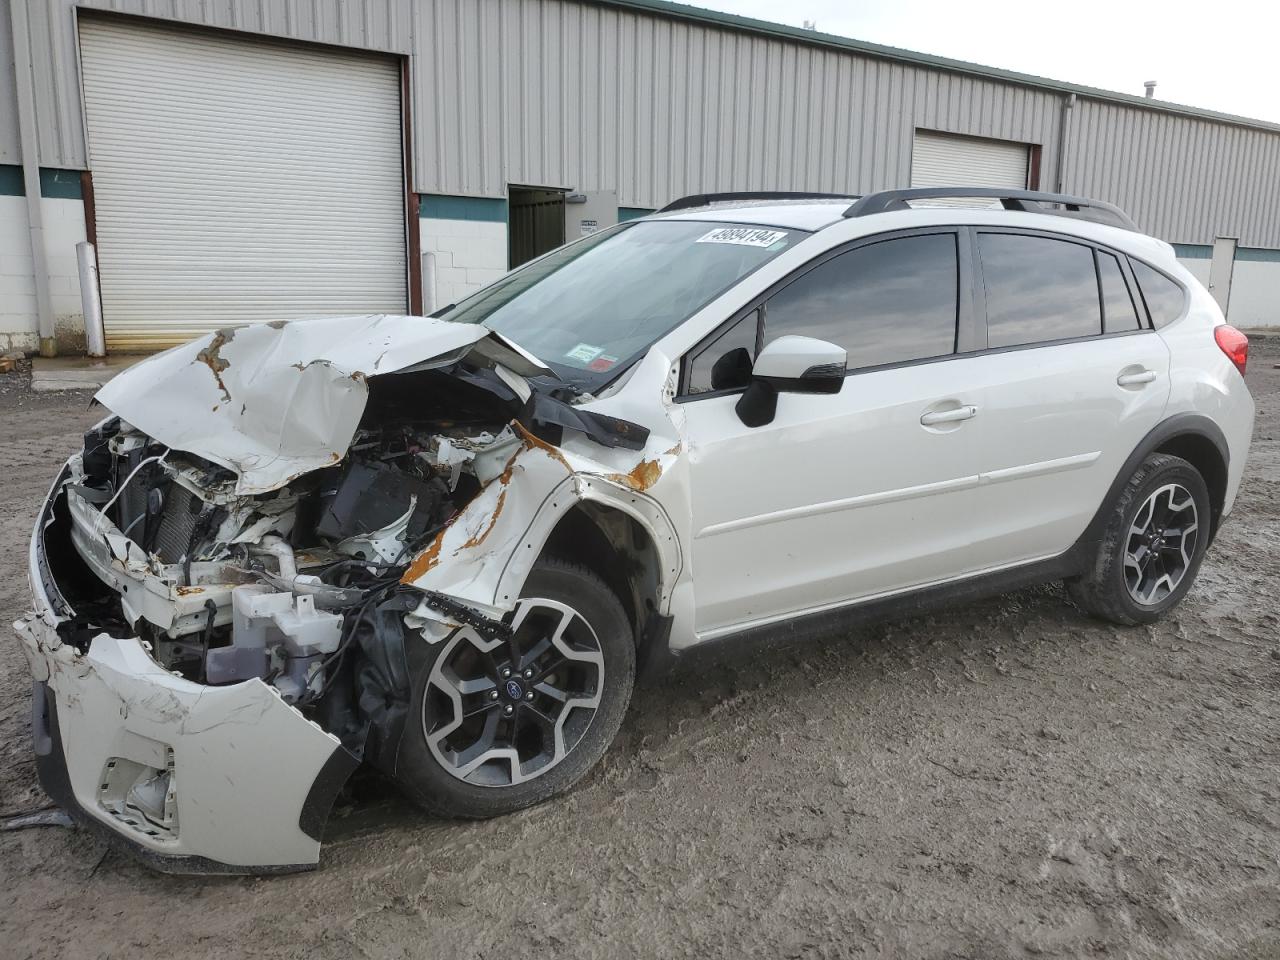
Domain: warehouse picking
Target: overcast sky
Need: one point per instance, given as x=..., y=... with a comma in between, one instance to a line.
x=1218, y=54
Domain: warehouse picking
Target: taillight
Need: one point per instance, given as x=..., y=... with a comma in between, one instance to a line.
x=1234, y=344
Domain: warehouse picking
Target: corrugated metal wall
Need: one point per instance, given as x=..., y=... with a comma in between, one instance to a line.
x=9, y=147
x=562, y=93
x=369, y=24
x=1182, y=179
x=575, y=95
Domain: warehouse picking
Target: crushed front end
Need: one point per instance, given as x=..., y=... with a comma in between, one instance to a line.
x=231, y=587
x=194, y=650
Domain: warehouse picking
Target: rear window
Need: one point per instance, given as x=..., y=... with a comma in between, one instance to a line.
x=1165, y=299
x=1038, y=289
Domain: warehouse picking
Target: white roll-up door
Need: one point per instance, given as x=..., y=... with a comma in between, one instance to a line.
x=239, y=180
x=944, y=160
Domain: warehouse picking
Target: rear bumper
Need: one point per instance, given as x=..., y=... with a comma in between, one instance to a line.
x=189, y=778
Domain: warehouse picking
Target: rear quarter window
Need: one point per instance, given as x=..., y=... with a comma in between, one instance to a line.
x=1165, y=299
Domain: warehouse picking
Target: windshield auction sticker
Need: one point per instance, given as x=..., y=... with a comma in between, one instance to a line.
x=743, y=236
x=584, y=353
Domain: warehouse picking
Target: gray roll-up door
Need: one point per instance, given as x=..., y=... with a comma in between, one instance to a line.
x=939, y=160
x=239, y=180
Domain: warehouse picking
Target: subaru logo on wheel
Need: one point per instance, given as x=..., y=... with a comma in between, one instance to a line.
x=514, y=690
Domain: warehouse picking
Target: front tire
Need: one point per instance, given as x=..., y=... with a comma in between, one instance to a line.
x=1152, y=545
x=497, y=725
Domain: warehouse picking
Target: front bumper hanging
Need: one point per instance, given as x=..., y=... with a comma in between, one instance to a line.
x=188, y=777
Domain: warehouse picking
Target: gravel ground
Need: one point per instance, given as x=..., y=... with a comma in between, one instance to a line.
x=1005, y=779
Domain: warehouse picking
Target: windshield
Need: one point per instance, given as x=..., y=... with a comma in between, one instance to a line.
x=590, y=308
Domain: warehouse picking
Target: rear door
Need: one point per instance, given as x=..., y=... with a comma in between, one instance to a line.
x=1071, y=380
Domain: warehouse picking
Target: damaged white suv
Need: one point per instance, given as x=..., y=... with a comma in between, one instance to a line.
x=440, y=546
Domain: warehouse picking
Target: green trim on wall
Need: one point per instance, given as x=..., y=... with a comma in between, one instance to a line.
x=11, y=181
x=60, y=184
x=54, y=184
x=632, y=213
x=487, y=209
x=1193, y=251
x=1257, y=255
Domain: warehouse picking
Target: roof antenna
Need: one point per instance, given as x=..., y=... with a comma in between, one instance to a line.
x=1151, y=89
x=811, y=24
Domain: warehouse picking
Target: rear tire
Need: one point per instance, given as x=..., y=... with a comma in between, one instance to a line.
x=1152, y=545
x=494, y=726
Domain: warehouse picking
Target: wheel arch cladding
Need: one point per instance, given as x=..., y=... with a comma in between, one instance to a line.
x=622, y=552
x=1180, y=435
x=1203, y=454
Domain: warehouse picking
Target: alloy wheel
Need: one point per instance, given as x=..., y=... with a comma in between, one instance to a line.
x=1160, y=544
x=500, y=712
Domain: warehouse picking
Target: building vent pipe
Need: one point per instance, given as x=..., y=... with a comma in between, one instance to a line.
x=1151, y=89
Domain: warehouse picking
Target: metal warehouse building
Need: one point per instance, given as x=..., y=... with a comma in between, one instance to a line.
x=247, y=160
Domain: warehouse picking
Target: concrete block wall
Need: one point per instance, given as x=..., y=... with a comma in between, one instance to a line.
x=1255, y=282
x=1255, y=289
x=18, y=328
x=468, y=236
x=63, y=213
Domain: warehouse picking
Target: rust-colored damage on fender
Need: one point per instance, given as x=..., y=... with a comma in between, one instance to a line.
x=424, y=562
x=640, y=477
x=211, y=357
x=429, y=557
x=482, y=555
x=530, y=441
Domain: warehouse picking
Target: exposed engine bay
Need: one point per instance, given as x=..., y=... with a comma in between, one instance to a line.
x=286, y=586
x=275, y=532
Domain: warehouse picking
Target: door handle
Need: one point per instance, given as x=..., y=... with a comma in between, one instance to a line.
x=1136, y=379
x=948, y=416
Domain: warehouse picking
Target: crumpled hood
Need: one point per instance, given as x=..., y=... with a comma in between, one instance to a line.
x=277, y=400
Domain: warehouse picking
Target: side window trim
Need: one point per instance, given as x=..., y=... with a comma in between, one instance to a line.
x=1130, y=286
x=966, y=317
x=1097, y=283
x=971, y=324
x=1135, y=291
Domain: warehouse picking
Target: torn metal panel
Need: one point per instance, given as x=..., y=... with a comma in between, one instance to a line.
x=274, y=401
x=483, y=556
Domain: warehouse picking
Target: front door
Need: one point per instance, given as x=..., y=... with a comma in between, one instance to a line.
x=842, y=496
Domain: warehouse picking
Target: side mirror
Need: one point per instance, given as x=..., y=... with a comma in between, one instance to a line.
x=790, y=365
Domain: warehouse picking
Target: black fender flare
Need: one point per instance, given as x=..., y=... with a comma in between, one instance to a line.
x=1181, y=424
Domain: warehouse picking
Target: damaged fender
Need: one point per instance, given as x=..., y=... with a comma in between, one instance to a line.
x=484, y=555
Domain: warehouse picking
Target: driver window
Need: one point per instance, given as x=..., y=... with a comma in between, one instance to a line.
x=887, y=302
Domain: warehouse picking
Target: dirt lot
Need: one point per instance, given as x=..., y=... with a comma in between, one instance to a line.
x=1004, y=780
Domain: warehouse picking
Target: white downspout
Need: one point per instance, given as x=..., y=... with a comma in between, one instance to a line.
x=31, y=174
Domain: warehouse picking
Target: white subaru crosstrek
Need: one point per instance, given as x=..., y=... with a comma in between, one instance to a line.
x=441, y=546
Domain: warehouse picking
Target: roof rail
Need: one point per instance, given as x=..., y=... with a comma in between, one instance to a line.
x=705, y=199
x=1027, y=201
